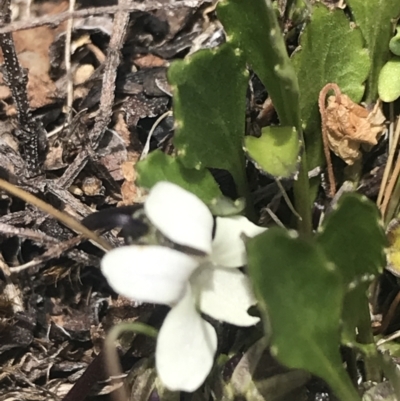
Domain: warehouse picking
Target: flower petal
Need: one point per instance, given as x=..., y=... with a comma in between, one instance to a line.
x=224, y=294
x=228, y=248
x=153, y=274
x=186, y=346
x=180, y=216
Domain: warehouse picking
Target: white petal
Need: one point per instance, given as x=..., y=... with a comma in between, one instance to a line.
x=180, y=216
x=224, y=294
x=228, y=248
x=186, y=346
x=153, y=274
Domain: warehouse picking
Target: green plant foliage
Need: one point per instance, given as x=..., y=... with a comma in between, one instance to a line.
x=389, y=80
x=209, y=108
x=276, y=152
x=332, y=50
x=355, y=302
x=160, y=167
x=253, y=27
x=302, y=293
x=374, y=17
x=394, y=44
x=353, y=238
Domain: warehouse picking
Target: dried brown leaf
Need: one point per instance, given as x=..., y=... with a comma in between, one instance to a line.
x=350, y=125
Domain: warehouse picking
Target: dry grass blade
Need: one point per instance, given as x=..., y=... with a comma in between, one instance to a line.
x=383, y=190
x=62, y=217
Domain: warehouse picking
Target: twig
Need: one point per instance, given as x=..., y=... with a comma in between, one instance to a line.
x=52, y=253
x=55, y=20
x=27, y=233
x=322, y=110
x=30, y=133
x=67, y=56
x=73, y=170
x=107, y=95
x=104, y=114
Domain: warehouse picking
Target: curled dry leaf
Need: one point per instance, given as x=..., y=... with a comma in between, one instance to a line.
x=350, y=125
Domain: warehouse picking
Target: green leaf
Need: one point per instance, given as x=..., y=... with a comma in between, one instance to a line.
x=389, y=80
x=209, y=108
x=253, y=27
x=353, y=238
x=302, y=293
x=331, y=51
x=394, y=44
x=276, y=152
x=355, y=302
x=160, y=167
x=374, y=17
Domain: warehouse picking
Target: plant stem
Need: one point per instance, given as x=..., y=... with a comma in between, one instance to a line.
x=365, y=336
x=111, y=355
x=343, y=387
x=302, y=202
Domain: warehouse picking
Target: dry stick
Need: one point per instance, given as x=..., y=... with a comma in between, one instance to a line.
x=107, y=94
x=389, y=164
x=87, y=12
x=67, y=57
x=64, y=218
x=322, y=110
x=104, y=114
x=30, y=132
x=26, y=233
x=51, y=253
x=103, y=118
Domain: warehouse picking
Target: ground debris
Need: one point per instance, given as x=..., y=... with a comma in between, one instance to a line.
x=54, y=319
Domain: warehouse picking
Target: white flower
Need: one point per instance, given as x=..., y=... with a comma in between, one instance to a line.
x=211, y=284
